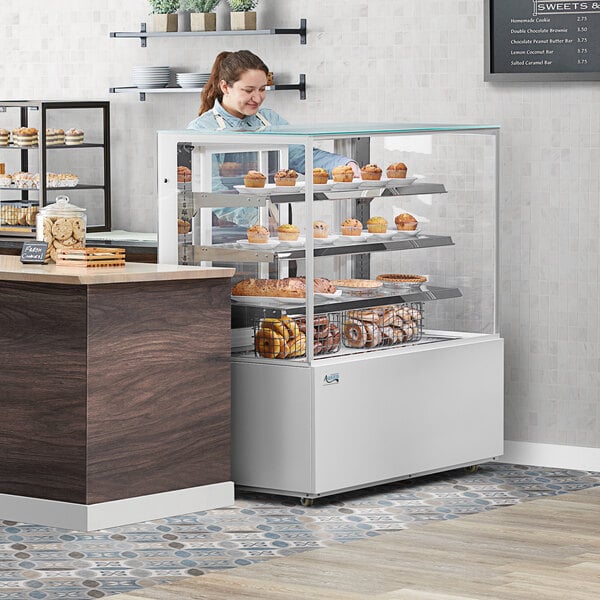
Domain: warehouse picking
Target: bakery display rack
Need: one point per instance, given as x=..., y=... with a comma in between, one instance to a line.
x=313, y=417
x=35, y=114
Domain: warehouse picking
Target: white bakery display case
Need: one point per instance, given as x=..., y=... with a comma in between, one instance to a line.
x=401, y=373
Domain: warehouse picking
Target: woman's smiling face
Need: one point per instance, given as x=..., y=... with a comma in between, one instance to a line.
x=245, y=96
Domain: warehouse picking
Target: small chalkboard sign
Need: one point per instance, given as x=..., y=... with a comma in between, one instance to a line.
x=34, y=252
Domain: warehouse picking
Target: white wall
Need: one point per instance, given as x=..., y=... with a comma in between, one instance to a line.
x=395, y=60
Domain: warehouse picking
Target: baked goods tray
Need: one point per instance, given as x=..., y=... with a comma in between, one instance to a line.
x=90, y=257
x=243, y=315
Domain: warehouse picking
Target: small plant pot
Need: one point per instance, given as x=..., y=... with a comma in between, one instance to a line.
x=243, y=20
x=203, y=21
x=165, y=22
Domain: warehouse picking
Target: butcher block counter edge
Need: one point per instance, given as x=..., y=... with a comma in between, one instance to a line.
x=11, y=269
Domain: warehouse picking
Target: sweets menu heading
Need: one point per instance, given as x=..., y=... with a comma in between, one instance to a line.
x=532, y=40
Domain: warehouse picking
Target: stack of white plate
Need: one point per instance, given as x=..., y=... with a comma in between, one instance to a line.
x=150, y=77
x=192, y=80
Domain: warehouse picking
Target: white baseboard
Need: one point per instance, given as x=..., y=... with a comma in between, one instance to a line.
x=579, y=458
x=90, y=517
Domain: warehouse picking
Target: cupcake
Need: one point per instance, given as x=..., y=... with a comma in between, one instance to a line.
x=4, y=137
x=397, y=171
x=342, y=173
x=371, y=172
x=73, y=137
x=320, y=229
x=286, y=177
x=288, y=233
x=405, y=222
x=320, y=175
x=257, y=234
x=254, y=179
x=377, y=225
x=351, y=227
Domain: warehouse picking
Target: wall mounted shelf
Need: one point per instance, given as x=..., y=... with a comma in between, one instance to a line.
x=300, y=86
x=144, y=35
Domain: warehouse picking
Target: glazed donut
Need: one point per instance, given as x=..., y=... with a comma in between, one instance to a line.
x=388, y=336
x=373, y=335
x=270, y=344
x=277, y=326
x=355, y=334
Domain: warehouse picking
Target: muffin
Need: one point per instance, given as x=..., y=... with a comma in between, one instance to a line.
x=288, y=232
x=377, y=225
x=230, y=169
x=320, y=229
x=4, y=137
x=351, y=227
x=183, y=226
x=342, y=173
x=320, y=175
x=255, y=179
x=371, y=172
x=397, y=171
x=286, y=177
x=257, y=234
x=405, y=222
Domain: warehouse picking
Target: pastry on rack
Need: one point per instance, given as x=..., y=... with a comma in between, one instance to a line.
x=289, y=287
x=351, y=227
x=73, y=137
x=343, y=173
x=286, y=177
x=4, y=137
x=257, y=234
x=320, y=229
x=183, y=226
x=230, y=169
x=320, y=175
x=377, y=225
x=371, y=172
x=397, y=170
x=25, y=136
x=254, y=179
x=55, y=137
x=288, y=232
x=406, y=222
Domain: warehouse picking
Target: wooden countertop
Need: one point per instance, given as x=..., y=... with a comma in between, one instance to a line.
x=11, y=269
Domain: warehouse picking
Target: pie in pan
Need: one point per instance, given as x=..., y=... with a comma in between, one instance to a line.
x=401, y=278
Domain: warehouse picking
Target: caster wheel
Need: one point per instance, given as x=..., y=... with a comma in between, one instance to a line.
x=472, y=469
x=307, y=501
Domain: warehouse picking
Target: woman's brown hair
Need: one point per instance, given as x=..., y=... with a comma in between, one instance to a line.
x=228, y=66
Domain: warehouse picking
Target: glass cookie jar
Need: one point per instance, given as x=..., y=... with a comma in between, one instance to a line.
x=62, y=225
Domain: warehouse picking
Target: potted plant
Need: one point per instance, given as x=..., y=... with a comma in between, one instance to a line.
x=242, y=15
x=165, y=14
x=201, y=16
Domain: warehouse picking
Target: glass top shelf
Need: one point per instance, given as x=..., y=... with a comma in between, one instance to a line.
x=322, y=129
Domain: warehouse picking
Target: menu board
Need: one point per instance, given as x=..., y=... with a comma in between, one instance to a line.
x=535, y=40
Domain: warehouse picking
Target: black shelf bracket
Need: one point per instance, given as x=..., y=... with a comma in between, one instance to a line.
x=301, y=86
x=301, y=32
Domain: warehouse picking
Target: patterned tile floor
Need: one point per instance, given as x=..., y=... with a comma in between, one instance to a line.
x=44, y=562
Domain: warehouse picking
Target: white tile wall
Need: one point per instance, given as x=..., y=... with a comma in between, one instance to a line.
x=403, y=60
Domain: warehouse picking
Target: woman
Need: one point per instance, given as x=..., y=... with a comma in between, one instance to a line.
x=232, y=99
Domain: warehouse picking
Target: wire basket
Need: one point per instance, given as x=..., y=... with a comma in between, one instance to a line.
x=388, y=325
x=285, y=337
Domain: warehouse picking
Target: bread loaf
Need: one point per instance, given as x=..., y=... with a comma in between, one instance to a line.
x=290, y=287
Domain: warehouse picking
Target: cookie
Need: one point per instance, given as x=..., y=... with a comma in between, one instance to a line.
x=78, y=226
x=62, y=229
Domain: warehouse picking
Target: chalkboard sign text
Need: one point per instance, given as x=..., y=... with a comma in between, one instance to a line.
x=34, y=252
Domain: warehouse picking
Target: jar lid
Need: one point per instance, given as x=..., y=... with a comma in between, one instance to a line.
x=62, y=206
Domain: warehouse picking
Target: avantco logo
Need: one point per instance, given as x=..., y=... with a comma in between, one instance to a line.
x=331, y=378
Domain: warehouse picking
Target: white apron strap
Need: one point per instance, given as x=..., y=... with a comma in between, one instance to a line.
x=219, y=119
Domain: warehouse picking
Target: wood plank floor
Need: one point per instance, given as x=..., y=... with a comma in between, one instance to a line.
x=545, y=549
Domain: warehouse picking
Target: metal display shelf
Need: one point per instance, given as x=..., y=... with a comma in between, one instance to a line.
x=231, y=253
x=243, y=315
x=300, y=86
x=217, y=199
x=53, y=147
x=143, y=34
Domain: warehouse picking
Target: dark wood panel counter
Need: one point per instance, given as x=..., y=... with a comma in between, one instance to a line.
x=115, y=392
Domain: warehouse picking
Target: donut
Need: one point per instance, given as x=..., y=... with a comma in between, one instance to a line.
x=335, y=332
x=291, y=325
x=387, y=316
x=319, y=347
x=277, y=326
x=320, y=326
x=328, y=342
x=270, y=344
x=355, y=335
x=373, y=335
x=415, y=314
x=388, y=336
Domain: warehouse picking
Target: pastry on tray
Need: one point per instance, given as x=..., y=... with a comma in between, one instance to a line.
x=254, y=179
x=397, y=171
x=371, y=172
x=286, y=177
x=288, y=232
x=405, y=222
x=343, y=173
x=320, y=229
x=401, y=278
x=257, y=234
x=351, y=227
x=320, y=176
x=377, y=225
x=289, y=287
